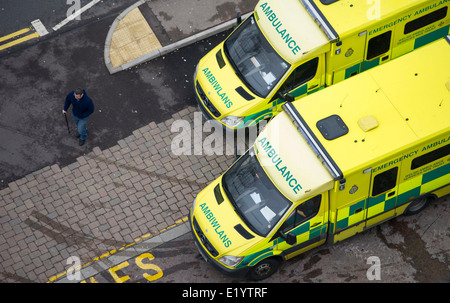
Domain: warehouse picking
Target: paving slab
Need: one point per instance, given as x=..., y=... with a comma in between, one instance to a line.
x=104, y=203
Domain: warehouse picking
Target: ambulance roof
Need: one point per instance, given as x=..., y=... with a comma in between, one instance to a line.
x=289, y=28
x=298, y=27
x=350, y=15
x=406, y=100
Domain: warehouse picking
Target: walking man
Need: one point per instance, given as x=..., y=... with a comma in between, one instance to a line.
x=82, y=108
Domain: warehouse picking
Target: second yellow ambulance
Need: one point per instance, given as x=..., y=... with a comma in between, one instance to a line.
x=287, y=49
x=332, y=165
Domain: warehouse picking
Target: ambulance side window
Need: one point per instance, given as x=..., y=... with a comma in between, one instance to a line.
x=300, y=75
x=302, y=213
x=425, y=20
x=430, y=157
x=384, y=181
x=379, y=45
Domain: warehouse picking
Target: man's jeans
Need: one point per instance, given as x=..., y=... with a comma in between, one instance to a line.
x=81, y=126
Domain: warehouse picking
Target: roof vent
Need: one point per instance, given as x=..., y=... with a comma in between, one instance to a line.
x=332, y=127
x=368, y=123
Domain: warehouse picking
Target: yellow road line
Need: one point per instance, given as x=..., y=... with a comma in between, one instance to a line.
x=18, y=41
x=22, y=31
x=109, y=253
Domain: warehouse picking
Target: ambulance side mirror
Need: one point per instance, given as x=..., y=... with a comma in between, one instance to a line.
x=291, y=239
x=238, y=19
x=289, y=98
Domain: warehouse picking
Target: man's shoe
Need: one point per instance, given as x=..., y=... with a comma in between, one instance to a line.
x=82, y=142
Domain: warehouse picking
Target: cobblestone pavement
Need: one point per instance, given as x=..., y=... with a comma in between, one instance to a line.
x=104, y=202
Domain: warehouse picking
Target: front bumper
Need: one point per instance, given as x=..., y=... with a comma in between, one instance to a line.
x=232, y=272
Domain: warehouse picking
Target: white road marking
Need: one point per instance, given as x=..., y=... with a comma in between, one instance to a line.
x=39, y=27
x=75, y=14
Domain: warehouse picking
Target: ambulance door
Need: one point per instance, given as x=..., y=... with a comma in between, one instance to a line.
x=378, y=48
x=346, y=57
x=350, y=201
x=304, y=79
x=304, y=228
x=383, y=195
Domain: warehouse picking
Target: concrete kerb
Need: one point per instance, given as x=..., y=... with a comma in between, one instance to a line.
x=182, y=43
x=137, y=249
x=164, y=50
x=107, y=49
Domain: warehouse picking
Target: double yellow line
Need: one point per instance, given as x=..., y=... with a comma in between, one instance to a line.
x=19, y=40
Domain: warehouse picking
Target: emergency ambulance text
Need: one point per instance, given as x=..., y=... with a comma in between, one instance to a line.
x=407, y=17
x=399, y=159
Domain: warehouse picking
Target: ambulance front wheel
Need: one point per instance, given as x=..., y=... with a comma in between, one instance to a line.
x=417, y=205
x=264, y=269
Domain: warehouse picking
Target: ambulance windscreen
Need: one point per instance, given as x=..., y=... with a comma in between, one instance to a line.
x=255, y=198
x=254, y=59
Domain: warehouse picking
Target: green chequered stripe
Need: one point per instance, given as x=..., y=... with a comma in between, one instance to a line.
x=433, y=36
x=348, y=216
x=256, y=257
x=419, y=42
x=304, y=228
x=407, y=191
x=255, y=118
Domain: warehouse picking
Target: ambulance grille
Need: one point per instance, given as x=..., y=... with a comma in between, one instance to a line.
x=206, y=101
x=204, y=240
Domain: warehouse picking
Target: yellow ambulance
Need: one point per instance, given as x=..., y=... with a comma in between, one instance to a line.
x=332, y=165
x=287, y=49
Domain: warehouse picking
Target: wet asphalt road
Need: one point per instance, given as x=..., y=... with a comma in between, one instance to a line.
x=409, y=249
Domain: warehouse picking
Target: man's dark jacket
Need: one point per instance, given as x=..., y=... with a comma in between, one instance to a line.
x=80, y=108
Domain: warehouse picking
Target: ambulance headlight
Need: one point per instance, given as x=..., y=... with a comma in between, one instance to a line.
x=232, y=121
x=231, y=261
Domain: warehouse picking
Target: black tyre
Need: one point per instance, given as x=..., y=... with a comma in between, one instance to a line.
x=264, y=269
x=417, y=205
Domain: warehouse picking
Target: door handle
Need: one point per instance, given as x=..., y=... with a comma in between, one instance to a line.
x=315, y=224
x=314, y=86
x=391, y=194
x=358, y=210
